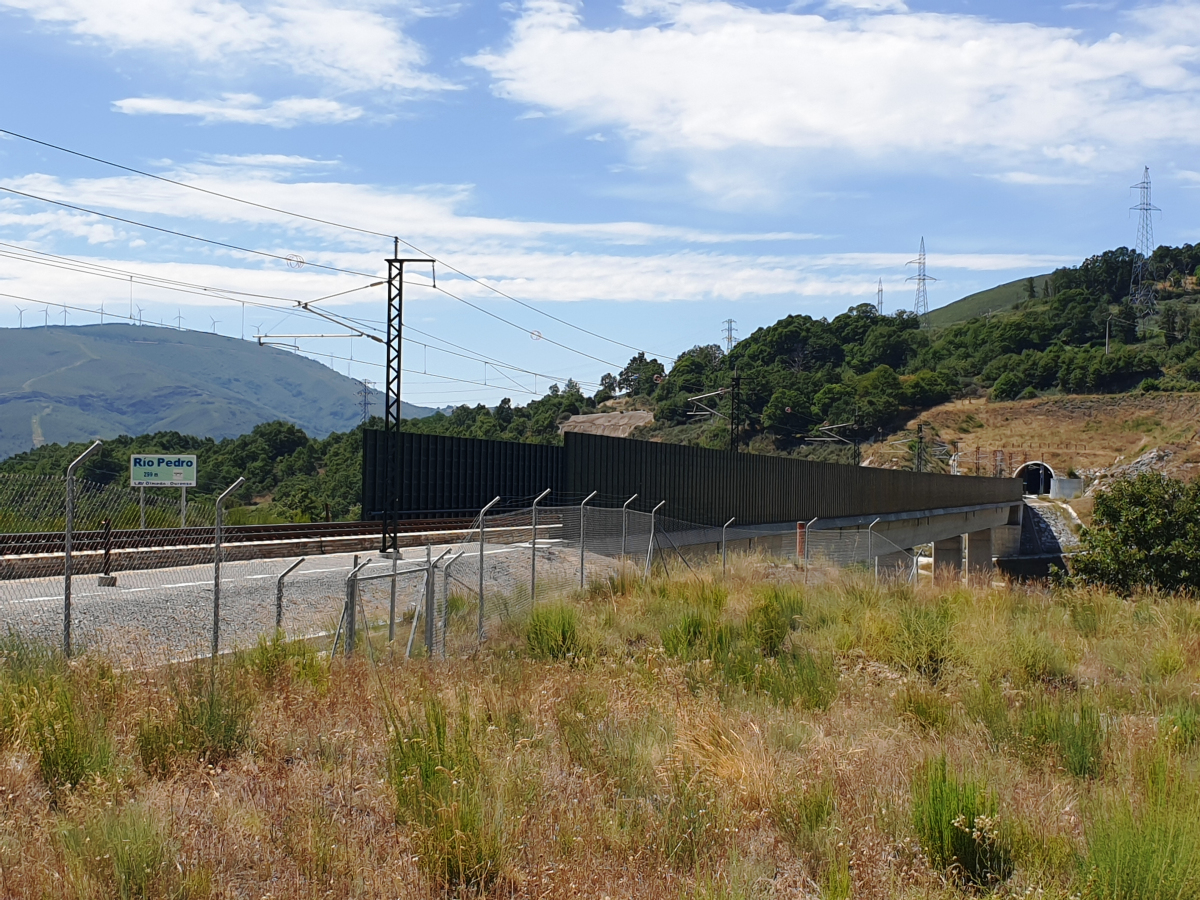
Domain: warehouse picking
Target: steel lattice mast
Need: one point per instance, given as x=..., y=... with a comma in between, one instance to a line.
x=1141, y=283
x=921, y=304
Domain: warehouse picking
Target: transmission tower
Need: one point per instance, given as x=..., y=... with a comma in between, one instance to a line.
x=365, y=393
x=1141, y=283
x=729, y=330
x=921, y=306
x=879, y=298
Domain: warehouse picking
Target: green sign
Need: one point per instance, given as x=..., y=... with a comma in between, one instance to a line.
x=162, y=470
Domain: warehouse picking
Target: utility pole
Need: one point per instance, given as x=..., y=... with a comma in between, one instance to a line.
x=392, y=408
x=921, y=304
x=919, y=456
x=729, y=330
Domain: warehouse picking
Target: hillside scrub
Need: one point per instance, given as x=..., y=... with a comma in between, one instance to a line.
x=638, y=746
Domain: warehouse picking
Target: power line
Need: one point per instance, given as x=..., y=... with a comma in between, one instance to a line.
x=288, y=260
x=333, y=224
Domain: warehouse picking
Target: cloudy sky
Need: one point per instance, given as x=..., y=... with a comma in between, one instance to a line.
x=629, y=175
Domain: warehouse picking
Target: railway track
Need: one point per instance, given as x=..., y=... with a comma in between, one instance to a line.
x=43, y=543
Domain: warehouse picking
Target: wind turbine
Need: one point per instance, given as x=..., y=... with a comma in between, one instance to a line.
x=46, y=310
x=139, y=309
x=178, y=319
x=101, y=312
x=215, y=323
x=20, y=317
x=64, y=315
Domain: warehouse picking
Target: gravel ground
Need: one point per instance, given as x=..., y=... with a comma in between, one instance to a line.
x=155, y=616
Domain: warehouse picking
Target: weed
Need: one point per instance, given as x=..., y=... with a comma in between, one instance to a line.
x=925, y=708
x=923, y=643
x=553, y=632
x=1146, y=852
x=957, y=826
x=800, y=812
x=1180, y=727
x=690, y=820
x=274, y=660
x=1072, y=729
x=442, y=791
x=775, y=616
x=986, y=705
x=1036, y=658
x=70, y=748
x=625, y=752
x=209, y=720
x=126, y=852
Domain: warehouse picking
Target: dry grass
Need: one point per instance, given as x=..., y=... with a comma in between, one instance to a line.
x=652, y=760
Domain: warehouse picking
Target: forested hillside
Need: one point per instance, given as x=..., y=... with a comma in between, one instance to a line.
x=1074, y=333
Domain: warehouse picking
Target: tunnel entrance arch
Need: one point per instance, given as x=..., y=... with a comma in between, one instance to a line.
x=1036, y=476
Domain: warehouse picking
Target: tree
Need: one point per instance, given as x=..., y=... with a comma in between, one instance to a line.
x=1145, y=534
x=638, y=376
x=1030, y=288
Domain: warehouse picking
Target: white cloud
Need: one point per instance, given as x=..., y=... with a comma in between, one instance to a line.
x=869, y=5
x=345, y=46
x=705, y=76
x=244, y=109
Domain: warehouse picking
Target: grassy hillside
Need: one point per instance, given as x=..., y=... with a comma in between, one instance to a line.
x=1001, y=297
x=61, y=384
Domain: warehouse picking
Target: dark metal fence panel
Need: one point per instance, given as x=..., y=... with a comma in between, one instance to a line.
x=709, y=486
x=456, y=476
x=451, y=476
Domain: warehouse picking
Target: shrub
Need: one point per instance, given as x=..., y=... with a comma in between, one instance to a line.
x=1145, y=533
x=209, y=720
x=553, y=632
x=957, y=826
x=126, y=851
x=442, y=791
x=1071, y=729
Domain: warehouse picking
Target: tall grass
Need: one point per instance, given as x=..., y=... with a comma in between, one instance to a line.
x=957, y=825
x=71, y=746
x=124, y=851
x=554, y=632
x=1069, y=727
x=205, y=719
x=444, y=793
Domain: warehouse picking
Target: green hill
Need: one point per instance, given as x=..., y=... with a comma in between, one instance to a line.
x=1001, y=297
x=72, y=383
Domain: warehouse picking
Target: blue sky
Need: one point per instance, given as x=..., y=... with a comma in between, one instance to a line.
x=641, y=170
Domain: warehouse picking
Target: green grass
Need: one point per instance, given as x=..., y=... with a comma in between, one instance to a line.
x=442, y=791
x=1070, y=728
x=554, y=632
x=957, y=825
x=125, y=852
x=1000, y=298
x=204, y=721
x=72, y=747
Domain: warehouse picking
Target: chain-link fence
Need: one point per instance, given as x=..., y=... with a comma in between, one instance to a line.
x=146, y=595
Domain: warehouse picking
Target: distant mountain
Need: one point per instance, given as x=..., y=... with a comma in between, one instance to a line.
x=72, y=383
x=998, y=299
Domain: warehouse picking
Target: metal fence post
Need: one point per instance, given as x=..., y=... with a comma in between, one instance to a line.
x=581, y=560
x=533, y=550
x=279, y=592
x=482, y=515
x=183, y=507
x=216, y=634
x=68, y=534
x=446, y=599
x=650, y=544
x=142, y=508
x=871, y=547
x=807, y=536
x=351, y=612
x=430, y=595
x=723, y=527
x=625, y=522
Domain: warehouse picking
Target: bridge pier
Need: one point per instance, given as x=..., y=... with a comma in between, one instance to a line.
x=947, y=559
x=979, y=554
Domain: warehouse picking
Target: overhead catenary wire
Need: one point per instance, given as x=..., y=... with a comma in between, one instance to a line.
x=299, y=306
x=333, y=224
x=285, y=259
